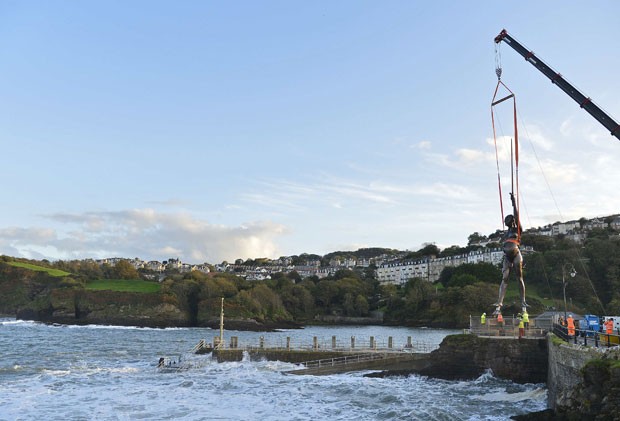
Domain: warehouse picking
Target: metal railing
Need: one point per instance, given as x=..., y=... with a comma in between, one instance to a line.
x=340, y=361
x=332, y=344
x=587, y=337
x=509, y=327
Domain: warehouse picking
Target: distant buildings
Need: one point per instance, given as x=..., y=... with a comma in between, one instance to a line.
x=430, y=268
x=391, y=269
x=157, y=266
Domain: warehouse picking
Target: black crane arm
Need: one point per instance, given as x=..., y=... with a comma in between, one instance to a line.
x=556, y=78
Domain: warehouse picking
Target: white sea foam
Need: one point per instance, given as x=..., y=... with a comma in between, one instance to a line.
x=502, y=395
x=109, y=373
x=12, y=321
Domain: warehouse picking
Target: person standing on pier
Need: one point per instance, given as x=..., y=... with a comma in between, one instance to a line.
x=521, y=325
x=570, y=324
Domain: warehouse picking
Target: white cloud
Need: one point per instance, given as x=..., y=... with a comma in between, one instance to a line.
x=143, y=233
x=535, y=135
x=467, y=158
x=425, y=145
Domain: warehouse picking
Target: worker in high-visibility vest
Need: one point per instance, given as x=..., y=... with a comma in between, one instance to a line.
x=521, y=325
x=526, y=320
x=483, y=319
x=570, y=323
x=500, y=319
x=609, y=326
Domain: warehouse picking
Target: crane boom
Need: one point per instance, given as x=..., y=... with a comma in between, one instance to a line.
x=557, y=79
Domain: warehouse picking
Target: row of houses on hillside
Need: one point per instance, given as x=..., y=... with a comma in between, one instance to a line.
x=310, y=267
x=577, y=230
x=430, y=268
x=157, y=266
x=258, y=273
x=390, y=269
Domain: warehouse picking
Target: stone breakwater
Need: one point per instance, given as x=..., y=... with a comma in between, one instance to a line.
x=583, y=382
x=462, y=357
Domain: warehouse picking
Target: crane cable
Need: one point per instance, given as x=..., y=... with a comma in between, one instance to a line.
x=515, y=173
x=514, y=143
x=498, y=72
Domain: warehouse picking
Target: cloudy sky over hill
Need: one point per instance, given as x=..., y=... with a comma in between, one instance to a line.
x=210, y=131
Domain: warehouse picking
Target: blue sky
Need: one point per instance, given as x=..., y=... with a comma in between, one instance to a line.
x=211, y=131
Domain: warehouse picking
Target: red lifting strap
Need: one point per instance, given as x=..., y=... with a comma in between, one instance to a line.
x=516, y=150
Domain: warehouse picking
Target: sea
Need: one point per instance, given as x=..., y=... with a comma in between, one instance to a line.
x=95, y=372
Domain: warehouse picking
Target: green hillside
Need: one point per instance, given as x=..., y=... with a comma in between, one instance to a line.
x=122, y=285
x=52, y=272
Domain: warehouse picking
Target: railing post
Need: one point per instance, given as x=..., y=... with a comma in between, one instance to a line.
x=409, y=344
x=261, y=342
x=288, y=343
x=315, y=343
x=372, y=342
x=352, y=342
x=389, y=342
x=334, y=342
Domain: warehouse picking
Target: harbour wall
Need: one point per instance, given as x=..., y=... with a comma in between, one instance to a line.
x=573, y=369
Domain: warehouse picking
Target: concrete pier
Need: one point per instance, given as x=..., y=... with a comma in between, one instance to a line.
x=329, y=357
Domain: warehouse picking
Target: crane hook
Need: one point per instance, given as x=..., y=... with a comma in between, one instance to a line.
x=498, y=62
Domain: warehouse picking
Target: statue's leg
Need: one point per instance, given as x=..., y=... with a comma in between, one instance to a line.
x=504, y=285
x=518, y=264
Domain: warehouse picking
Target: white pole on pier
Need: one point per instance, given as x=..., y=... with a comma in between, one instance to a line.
x=220, y=345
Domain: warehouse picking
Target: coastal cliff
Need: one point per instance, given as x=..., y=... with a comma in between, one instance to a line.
x=72, y=306
x=32, y=295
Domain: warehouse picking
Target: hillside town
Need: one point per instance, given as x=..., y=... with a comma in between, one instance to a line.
x=392, y=268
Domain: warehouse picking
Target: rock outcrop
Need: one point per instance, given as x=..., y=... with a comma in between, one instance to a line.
x=468, y=356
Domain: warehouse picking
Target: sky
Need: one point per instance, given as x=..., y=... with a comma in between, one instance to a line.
x=212, y=131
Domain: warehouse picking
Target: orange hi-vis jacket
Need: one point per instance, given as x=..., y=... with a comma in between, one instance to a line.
x=609, y=327
x=571, y=326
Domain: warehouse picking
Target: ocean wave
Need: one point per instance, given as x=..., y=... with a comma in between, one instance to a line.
x=537, y=394
x=13, y=369
x=13, y=321
x=58, y=373
x=97, y=373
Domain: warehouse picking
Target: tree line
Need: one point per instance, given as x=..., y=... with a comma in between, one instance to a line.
x=461, y=291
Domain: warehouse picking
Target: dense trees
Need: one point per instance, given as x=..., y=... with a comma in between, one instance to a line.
x=460, y=291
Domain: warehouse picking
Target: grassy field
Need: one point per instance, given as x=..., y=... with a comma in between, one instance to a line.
x=123, y=285
x=531, y=291
x=52, y=272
